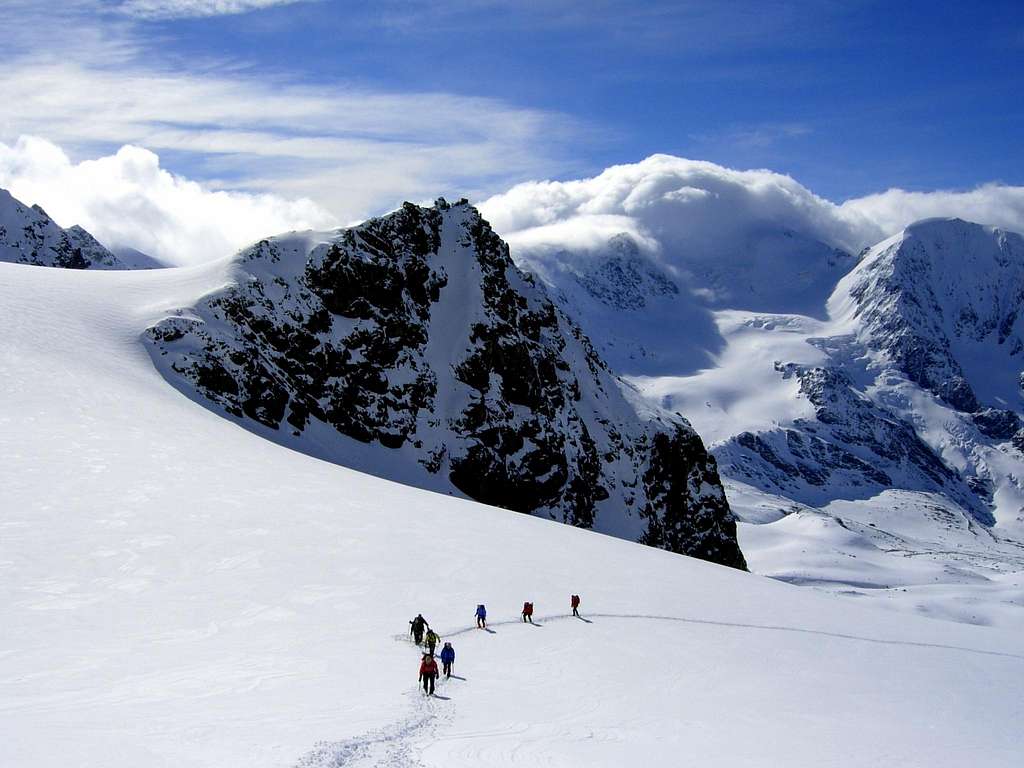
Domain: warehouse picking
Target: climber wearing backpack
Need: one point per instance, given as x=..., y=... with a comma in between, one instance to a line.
x=481, y=617
x=416, y=627
x=431, y=640
x=574, y=601
x=428, y=673
x=528, y=612
x=447, y=659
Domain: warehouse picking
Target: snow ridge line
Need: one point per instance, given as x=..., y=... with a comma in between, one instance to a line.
x=767, y=627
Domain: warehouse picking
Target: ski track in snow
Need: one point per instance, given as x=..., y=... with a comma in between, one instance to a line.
x=392, y=745
x=395, y=745
x=767, y=627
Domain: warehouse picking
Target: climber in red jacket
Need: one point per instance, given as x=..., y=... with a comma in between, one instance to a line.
x=574, y=601
x=428, y=673
x=528, y=612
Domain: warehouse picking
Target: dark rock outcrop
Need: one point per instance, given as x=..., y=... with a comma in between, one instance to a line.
x=997, y=423
x=415, y=335
x=852, y=448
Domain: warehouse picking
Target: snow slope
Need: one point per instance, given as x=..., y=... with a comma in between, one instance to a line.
x=177, y=591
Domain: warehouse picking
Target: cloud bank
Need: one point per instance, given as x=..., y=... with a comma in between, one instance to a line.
x=997, y=205
x=674, y=205
x=669, y=205
x=128, y=200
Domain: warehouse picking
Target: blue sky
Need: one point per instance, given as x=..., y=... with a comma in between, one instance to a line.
x=356, y=106
x=848, y=97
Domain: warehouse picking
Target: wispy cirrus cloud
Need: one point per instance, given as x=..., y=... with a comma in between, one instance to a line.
x=188, y=9
x=352, y=148
x=85, y=79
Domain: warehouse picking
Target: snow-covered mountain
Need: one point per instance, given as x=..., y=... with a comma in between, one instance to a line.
x=651, y=311
x=177, y=592
x=29, y=236
x=413, y=348
x=910, y=383
x=942, y=301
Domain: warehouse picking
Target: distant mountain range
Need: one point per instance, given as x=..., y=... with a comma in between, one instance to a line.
x=905, y=375
x=413, y=347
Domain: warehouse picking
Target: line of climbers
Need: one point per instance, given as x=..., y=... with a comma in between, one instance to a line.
x=423, y=635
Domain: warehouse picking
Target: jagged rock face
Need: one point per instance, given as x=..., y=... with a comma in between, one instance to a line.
x=936, y=308
x=852, y=448
x=997, y=423
x=623, y=278
x=683, y=510
x=1018, y=440
x=415, y=335
x=29, y=236
x=928, y=297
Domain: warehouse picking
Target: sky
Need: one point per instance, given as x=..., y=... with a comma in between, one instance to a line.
x=314, y=113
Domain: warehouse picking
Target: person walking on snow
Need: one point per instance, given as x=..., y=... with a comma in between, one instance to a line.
x=481, y=617
x=528, y=612
x=574, y=601
x=428, y=673
x=416, y=627
x=431, y=640
x=447, y=659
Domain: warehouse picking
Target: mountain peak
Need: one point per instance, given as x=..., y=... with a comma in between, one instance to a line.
x=29, y=236
x=937, y=295
x=411, y=347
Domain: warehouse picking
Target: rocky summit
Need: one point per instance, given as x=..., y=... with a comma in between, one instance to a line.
x=29, y=236
x=413, y=342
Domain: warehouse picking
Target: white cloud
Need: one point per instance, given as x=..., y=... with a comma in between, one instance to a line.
x=90, y=79
x=182, y=9
x=997, y=205
x=684, y=206
x=671, y=206
x=693, y=208
x=127, y=199
x=354, y=150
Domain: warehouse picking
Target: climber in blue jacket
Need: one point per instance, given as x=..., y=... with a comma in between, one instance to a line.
x=447, y=659
x=481, y=617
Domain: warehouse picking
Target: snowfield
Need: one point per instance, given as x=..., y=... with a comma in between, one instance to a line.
x=177, y=591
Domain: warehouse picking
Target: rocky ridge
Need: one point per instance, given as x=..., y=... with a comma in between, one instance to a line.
x=415, y=336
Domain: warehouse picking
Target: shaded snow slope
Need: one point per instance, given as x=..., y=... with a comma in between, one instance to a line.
x=29, y=236
x=651, y=308
x=176, y=591
x=411, y=347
